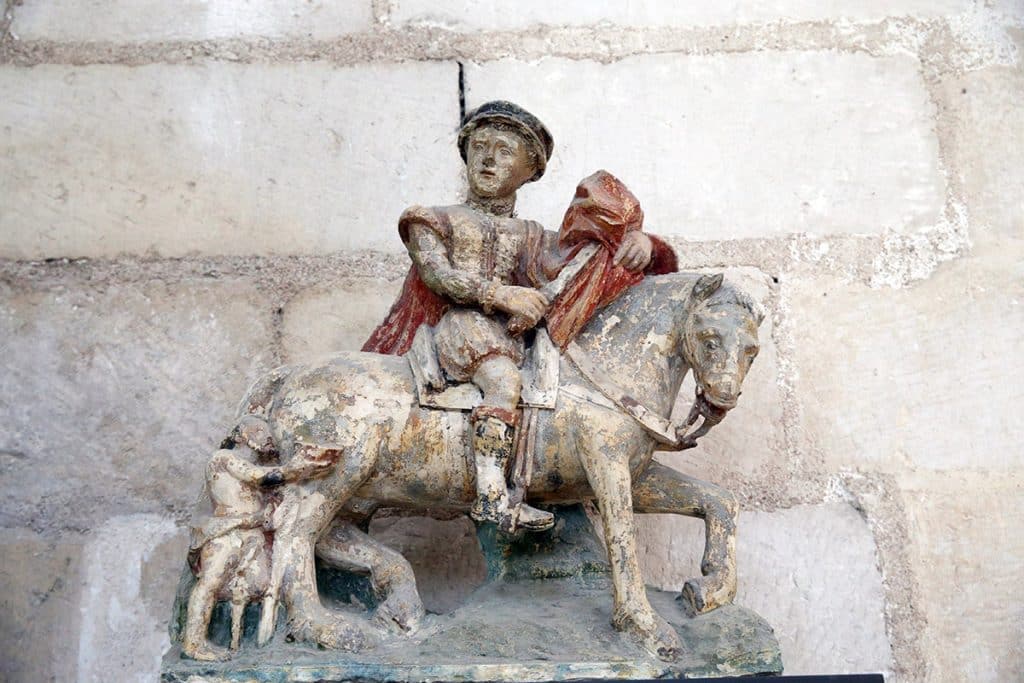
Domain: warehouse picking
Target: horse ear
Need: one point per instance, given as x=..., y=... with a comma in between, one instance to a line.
x=706, y=286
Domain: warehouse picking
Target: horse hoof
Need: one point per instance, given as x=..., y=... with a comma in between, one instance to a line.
x=402, y=614
x=700, y=599
x=207, y=653
x=658, y=637
x=338, y=634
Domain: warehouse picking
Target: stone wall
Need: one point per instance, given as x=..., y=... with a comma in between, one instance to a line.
x=191, y=193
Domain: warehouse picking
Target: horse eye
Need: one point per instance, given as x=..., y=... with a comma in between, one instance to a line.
x=710, y=344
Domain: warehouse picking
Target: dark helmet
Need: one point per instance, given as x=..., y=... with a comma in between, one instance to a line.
x=525, y=123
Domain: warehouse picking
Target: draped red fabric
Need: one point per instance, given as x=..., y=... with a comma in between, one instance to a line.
x=603, y=211
x=416, y=305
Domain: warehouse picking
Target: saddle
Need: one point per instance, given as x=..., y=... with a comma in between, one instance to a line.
x=540, y=391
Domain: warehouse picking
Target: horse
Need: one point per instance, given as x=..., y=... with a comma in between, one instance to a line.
x=588, y=448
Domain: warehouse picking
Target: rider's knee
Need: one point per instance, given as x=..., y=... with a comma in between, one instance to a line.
x=499, y=379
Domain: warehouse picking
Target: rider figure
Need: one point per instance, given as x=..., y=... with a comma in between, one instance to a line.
x=471, y=255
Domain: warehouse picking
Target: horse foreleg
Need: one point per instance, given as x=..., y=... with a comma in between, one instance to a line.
x=661, y=489
x=609, y=478
x=347, y=547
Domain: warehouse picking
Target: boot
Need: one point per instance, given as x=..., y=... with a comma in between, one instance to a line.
x=492, y=447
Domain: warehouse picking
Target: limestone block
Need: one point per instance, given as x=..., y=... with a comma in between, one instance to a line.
x=735, y=145
x=989, y=148
x=221, y=158
x=810, y=571
x=113, y=396
x=444, y=554
x=39, y=594
x=967, y=559
x=335, y=318
x=926, y=377
x=152, y=20
x=131, y=566
x=749, y=444
x=469, y=15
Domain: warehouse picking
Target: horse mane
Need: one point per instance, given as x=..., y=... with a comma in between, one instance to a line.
x=730, y=294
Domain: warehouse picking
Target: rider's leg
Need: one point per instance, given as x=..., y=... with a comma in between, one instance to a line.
x=499, y=379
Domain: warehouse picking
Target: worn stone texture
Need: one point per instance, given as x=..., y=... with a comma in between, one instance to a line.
x=131, y=565
x=810, y=570
x=151, y=20
x=219, y=158
x=967, y=558
x=468, y=15
x=114, y=395
x=926, y=377
x=335, y=317
x=988, y=148
x=817, y=143
x=40, y=581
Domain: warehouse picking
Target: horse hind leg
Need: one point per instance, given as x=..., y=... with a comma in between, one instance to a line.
x=303, y=515
x=661, y=489
x=346, y=547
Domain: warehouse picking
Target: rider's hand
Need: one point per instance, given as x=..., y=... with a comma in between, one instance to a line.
x=525, y=305
x=635, y=251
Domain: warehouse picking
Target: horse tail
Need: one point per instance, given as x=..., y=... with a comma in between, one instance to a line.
x=260, y=396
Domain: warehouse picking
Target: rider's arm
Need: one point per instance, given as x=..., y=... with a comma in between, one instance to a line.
x=437, y=273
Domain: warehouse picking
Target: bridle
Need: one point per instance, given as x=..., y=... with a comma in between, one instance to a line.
x=669, y=434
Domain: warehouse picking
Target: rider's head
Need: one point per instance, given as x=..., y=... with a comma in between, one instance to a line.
x=504, y=146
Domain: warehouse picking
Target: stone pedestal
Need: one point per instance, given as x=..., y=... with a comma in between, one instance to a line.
x=542, y=615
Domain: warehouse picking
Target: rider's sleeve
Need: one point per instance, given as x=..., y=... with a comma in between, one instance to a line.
x=423, y=231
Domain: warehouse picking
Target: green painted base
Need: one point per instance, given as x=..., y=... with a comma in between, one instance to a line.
x=543, y=615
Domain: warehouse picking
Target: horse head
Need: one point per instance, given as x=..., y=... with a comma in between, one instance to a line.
x=720, y=344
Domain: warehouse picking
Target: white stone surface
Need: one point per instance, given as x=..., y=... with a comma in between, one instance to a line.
x=221, y=158
x=490, y=14
x=341, y=318
x=151, y=20
x=122, y=637
x=811, y=571
x=926, y=377
x=988, y=137
x=113, y=397
x=967, y=545
x=735, y=145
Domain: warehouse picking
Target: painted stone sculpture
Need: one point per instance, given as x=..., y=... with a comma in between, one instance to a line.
x=519, y=370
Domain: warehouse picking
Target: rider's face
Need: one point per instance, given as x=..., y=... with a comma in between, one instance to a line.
x=498, y=162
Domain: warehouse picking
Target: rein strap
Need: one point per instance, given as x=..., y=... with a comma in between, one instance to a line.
x=663, y=430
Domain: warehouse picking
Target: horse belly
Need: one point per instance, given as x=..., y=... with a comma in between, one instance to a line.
x=428, y=465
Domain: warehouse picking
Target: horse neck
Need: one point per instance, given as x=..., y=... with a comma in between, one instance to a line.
x=637, y=340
